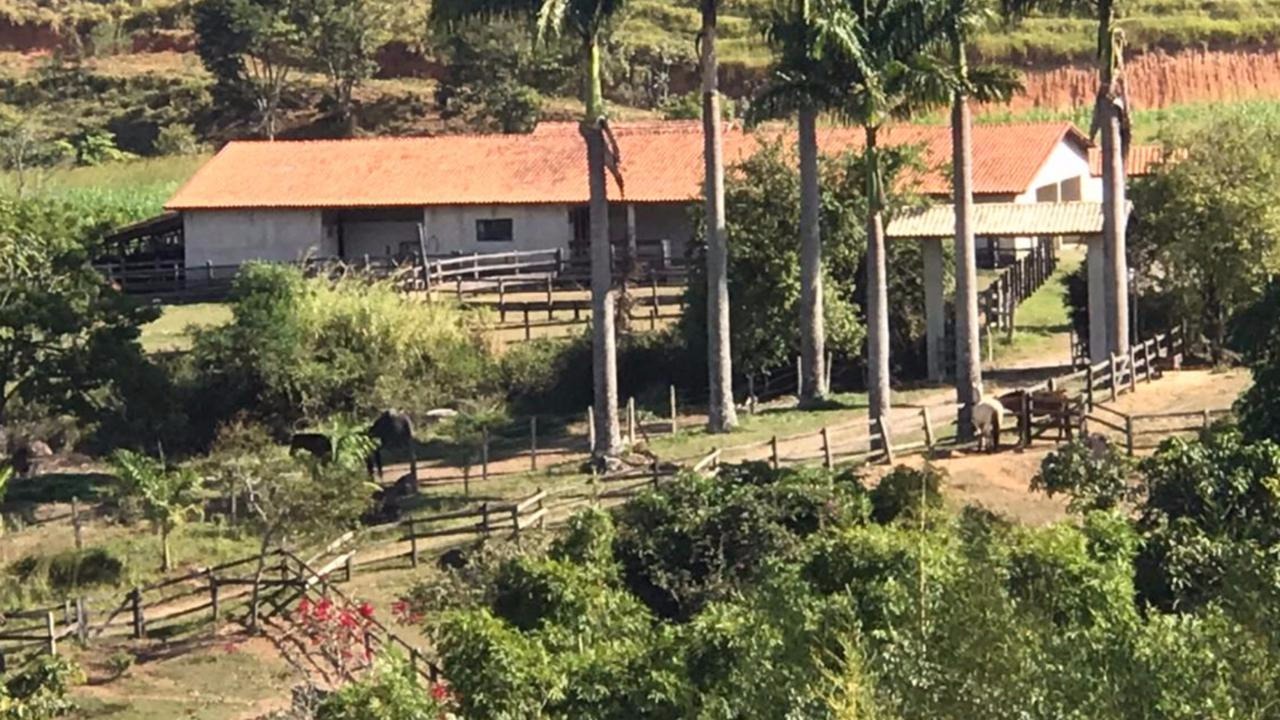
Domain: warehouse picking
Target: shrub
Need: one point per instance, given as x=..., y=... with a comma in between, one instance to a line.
x=70, y=569
x=392, y=691
x=1094, y=478
x=906, y=491
x=177, y=139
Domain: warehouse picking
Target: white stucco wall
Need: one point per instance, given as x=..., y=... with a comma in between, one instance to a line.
x=232, y=237
x=534, y=227
x=1066, y=162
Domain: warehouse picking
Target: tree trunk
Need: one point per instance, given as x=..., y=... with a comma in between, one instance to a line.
x=1114, y=216
x=604, y=343
x=721, y=416
x=968, y=350
x=812, y=325
x=877, y=289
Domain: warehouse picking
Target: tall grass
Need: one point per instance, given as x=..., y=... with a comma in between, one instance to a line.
x=134, y=190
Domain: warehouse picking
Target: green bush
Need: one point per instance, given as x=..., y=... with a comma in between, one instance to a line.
x=70, y=569
x=906, y=492
x=1093, y=478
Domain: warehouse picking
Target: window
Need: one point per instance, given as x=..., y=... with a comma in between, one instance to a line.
x=502, y=230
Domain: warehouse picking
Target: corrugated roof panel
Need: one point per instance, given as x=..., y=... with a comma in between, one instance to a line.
x=1003, y=220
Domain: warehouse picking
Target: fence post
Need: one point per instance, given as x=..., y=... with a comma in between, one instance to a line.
x=533, y=442
x=827, y=375
x=1128, y=434
x=347, y=567
x=75, y=522
x=773, y=447
x=826, y=449
x=654, y=469
x=675, y=422
x=1146, y=361
x=213, y=598
x=1024, y=421
x=1114, y=378
x=457, y=284
x=1088, y=386
x=515, y=520
x=1133, y=373
x=886, y=436
x=631, y=421
x=751, y=394
x=138, y=626
x=82, y=621
x=591, y=429
x=413, y=538
x=799, y=377
x=52, y=643
x=484, y=454
x=551, y=309
x=484, y=518
x=1206, y=419
x=502, y=300
x=528, y=329
x=475, y=266
x=928, y=429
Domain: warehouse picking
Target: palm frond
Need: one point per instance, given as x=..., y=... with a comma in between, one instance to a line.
x=993, y=83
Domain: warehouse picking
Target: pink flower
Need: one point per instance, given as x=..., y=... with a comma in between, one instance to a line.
x=366, y=610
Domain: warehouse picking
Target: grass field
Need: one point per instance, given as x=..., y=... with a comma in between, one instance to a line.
x=172, y=330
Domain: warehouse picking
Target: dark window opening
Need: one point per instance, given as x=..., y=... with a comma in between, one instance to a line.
x=495, y=230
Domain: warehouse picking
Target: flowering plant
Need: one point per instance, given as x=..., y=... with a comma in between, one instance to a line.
x=342, y=633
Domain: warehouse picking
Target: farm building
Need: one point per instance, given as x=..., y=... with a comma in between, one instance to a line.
x=354, y=199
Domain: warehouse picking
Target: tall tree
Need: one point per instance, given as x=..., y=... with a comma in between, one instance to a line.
x=812, y=39
x=986, y=84
x=341, y=37
x=587, y=21
x=721, y=416
x=1111, y=121
x=167, y=496
x=895, y=76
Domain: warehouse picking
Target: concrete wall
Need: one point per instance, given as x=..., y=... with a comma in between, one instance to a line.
x=232, y=237
x=1064, y=176
x=378, y=239
x=535, y=227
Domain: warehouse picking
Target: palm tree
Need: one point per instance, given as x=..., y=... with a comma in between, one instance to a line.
x=1111, y=121
x=985, y=84
x=586, y=21
x=813, y=39
x=895, y=77
x=721, y=417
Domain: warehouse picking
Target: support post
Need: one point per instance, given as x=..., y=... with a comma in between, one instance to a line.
x=1128, y=434
x=1097, y=301
x=533, y=442
x=502, y=300
x=551, y=305
x=773, y=451
x=75, y=522
x=413, y=537
x=528, y=329
x=886, y=435
x=826, y=449
x=675, y=419
x=82, y=621
x=1115, y=377
x=631, y=421
x=929, y=440
x=52, y=643
x=139, y=627
x=591, y=429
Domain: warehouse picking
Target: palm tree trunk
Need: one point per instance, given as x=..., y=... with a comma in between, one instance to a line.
x=1114, y=215
x=812, y=326
x=604, y=343
x=968, y=352
x=721, y=416
x=877, y=289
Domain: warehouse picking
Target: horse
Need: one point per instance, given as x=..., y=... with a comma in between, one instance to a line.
x=988, y=417
x=393, y=429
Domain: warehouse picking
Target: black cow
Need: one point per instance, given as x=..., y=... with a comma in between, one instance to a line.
x=317, y=444
x=394, y=429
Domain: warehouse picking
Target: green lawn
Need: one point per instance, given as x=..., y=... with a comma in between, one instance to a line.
x=1041, y=322
x=172, y=330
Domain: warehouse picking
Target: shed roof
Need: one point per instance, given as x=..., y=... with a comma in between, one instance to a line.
x=661, y=162
x=1003, y=220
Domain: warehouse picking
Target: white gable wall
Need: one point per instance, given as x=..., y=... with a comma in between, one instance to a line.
x=1067, y=166
x=232, y=237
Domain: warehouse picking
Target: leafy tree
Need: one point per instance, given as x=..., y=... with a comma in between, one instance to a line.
x=291, y=499
x=494, y=76
x=392, y=691
x=26, y=147
x=1256, y=335
x=588, y=23
x=65, y=334
x=167, y=497
x=1093, y=478
x=1207, y=225
x=251, y=47
x=341, y=38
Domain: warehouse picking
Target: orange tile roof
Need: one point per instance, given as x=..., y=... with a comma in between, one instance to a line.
x=661, y=162
x=1142, y=160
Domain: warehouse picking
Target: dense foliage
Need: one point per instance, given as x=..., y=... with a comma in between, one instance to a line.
x=301, y=350
x=762, y=201
x=766, y=594
x=39, y=692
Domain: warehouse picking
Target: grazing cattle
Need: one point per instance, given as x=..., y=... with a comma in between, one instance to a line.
x=317, y=444
x=394, y=429
x=29, y=456
x=988, y=416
